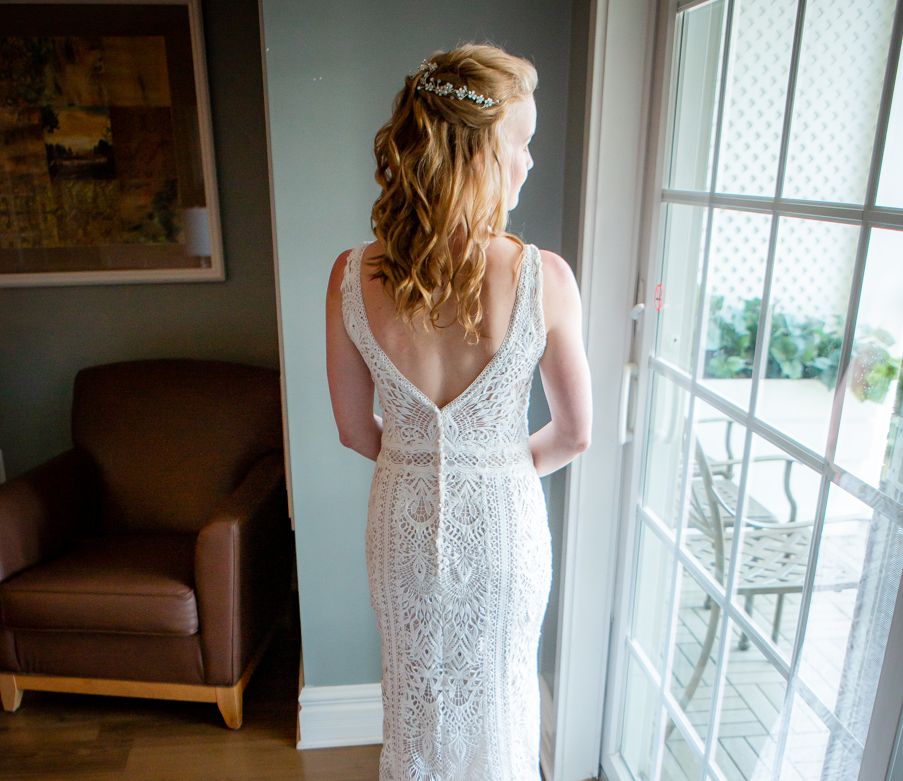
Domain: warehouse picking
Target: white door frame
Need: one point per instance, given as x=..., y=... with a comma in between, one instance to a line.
x=620, y=56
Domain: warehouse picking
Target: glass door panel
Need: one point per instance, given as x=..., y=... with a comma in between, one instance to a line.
x=680, y=762
x=651, y=603
x=835, y=109
x=811, y=290
x=779, y=520
x=736, y=279
x=874, y=372
x=768, y=525
x=678, y=292
x=755, y=96
x=664, y=455
x=699, y=60
x=749, y=727
x=890, y=188
x=712, y=503
x=641, y=710
x=696, y=652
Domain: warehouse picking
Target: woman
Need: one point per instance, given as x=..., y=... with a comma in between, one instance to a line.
x=447, y=315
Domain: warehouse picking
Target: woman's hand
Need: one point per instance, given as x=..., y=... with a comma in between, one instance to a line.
x=564, y=371
x=350, y=383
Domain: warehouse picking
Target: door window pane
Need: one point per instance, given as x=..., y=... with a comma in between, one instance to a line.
x=695, y=96
x=638, y=729
x=736, y=277
x=685, y=228
x=835, y=110
x=890, y=186
x=665, y=450
x=811, y=288
x=695, y=652
x=875, y=367
x=758, y=71
x=717, y=465
x=650, y=605
x=780, y=510
x=749, y=727
x=679, y=762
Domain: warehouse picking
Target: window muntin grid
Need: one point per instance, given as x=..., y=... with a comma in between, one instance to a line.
x=685, y=374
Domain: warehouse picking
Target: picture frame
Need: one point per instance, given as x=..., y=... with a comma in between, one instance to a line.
x=107, y=167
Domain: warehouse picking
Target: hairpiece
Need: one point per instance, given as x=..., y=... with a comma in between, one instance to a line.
x=447, y=89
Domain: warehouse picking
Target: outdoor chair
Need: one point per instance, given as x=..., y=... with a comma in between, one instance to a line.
x=774, y=556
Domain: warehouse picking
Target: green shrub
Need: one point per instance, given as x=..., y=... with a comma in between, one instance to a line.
x=799, y=348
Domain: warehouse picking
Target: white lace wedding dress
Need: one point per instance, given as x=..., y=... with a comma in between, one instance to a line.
x=458, y=557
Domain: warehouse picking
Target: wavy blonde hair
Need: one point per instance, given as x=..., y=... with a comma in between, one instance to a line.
x=439, y=162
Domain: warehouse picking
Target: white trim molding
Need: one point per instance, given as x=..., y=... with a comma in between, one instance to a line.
x=614, y=164
x=330, y=716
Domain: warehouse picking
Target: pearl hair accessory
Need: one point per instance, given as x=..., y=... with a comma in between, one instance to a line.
x=447, y=89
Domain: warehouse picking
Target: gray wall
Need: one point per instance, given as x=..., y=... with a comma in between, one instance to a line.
x=48, y=334
x=570, y=234
x=332, y=72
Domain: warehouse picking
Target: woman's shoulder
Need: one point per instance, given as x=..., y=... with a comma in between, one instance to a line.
x=556, y=271
x=561, y=296
x=341, y=262
x=337, y=274
x=338, y=270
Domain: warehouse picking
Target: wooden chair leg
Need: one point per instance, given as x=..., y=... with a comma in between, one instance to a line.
x=10, y=693
x=229, y=701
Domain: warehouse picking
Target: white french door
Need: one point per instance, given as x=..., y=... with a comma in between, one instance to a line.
x=760, y=599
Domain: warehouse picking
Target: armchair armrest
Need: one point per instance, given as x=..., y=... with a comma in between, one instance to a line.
x=43, y=510
x=242, y=570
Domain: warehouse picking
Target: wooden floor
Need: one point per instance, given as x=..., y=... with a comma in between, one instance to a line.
x=83, y=738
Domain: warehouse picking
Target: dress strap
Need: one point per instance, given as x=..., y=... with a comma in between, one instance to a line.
x=352, y=299
x=352, y=267
x=538, y=316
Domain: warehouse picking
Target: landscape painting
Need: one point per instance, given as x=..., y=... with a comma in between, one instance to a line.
x=106, y=163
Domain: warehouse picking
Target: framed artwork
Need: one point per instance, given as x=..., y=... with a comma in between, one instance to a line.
x=107, y=170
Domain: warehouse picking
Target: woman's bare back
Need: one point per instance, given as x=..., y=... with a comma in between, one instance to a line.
x=441, y=362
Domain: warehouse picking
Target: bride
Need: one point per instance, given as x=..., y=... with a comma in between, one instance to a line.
x=446, y=316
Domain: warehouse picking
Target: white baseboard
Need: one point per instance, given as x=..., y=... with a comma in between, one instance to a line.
x=330, y=716
x=547, y=731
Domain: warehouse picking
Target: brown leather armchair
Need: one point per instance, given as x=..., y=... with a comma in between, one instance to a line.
x=153, y=558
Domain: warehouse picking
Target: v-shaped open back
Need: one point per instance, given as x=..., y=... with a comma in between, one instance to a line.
x=354, y=271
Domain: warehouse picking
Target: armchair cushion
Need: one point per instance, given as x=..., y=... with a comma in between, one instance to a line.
x=135, y=584
x=171, y=437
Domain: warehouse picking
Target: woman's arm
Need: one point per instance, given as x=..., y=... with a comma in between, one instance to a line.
x=564, y=371
x=350, y=384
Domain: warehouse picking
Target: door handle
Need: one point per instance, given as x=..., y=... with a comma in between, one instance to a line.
x=628, y=373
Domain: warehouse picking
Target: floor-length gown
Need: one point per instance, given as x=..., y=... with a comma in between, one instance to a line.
x=458, y=557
